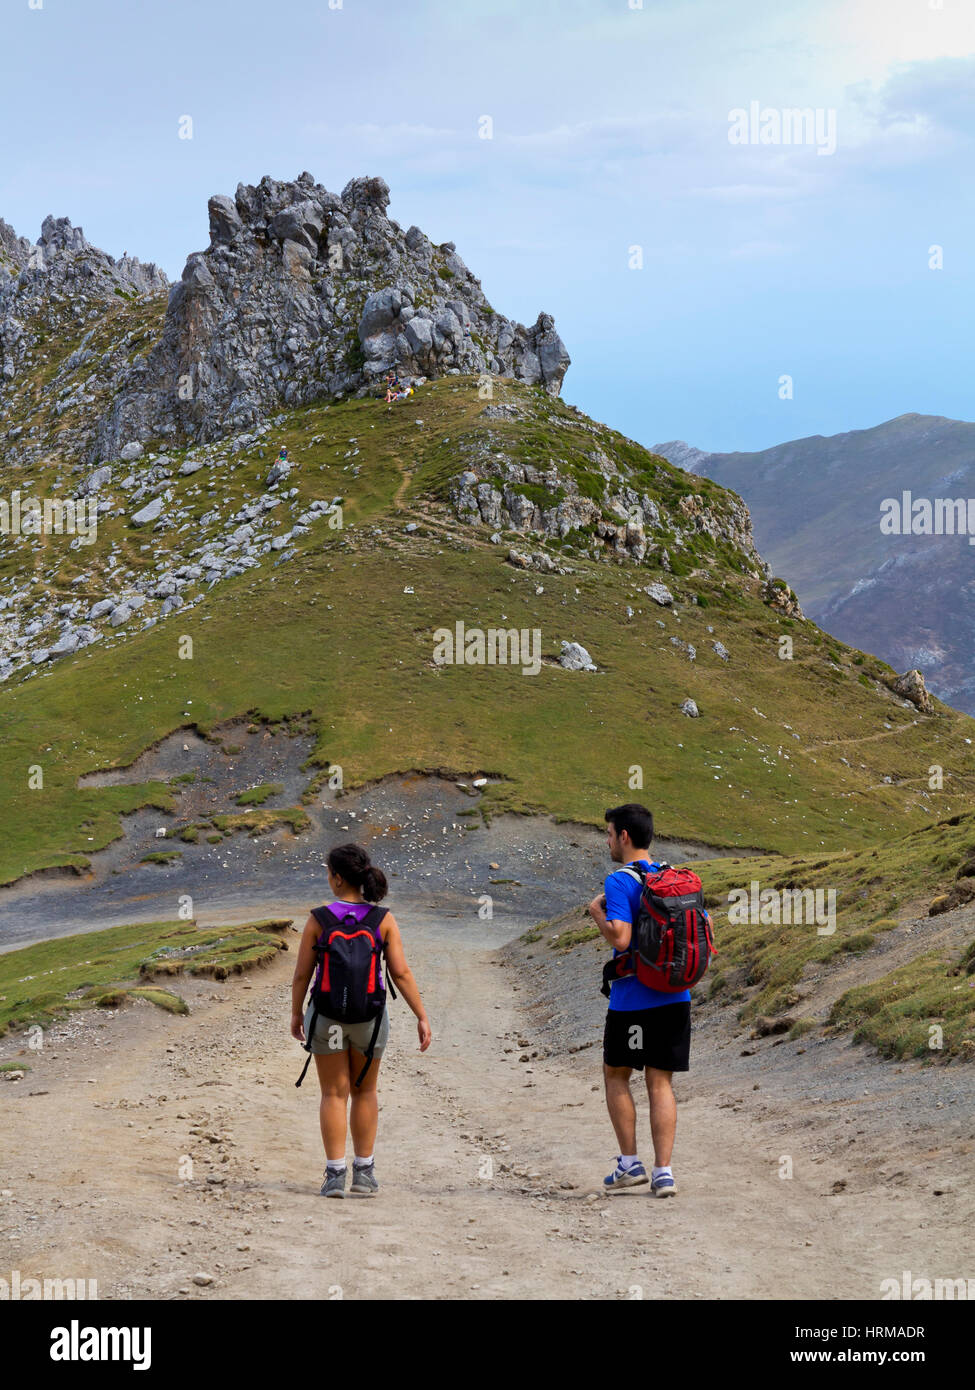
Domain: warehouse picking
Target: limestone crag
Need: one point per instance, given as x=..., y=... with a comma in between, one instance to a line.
x=56, y=294
x=301, y=294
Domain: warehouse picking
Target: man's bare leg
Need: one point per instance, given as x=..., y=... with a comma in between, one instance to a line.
x=619, y=1103
x=663, y=1115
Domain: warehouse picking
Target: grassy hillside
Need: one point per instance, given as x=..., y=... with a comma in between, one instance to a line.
x=792, y=756
x=786, y=972
x=102, y=969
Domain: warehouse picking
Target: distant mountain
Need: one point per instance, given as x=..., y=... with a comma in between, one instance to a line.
x=816, y=506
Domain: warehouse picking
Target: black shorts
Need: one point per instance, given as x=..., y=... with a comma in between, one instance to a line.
x=639, y=1038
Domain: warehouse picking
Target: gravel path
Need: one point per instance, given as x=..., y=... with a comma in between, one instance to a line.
x=490, y=1153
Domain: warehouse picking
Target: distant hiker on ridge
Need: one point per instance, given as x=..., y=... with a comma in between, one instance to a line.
x=346, y=1026
x=648, y=912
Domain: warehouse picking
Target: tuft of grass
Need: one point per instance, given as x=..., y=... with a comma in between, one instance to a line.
x=575, y=937
x=162, y=856
x=108, y=999
x=262, y=822
x=162, y=998
x=256, y=796
x=924, y=1009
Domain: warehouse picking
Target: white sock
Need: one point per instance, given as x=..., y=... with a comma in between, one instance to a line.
x=335, y=1165
x=657, y=1171
x=628, y=1160
x=362, y=1162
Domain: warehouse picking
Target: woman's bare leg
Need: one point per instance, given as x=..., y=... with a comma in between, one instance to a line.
x=364, y=1119
x=333, y=1077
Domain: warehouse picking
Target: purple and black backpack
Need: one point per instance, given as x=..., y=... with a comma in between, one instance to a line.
x=349, y=985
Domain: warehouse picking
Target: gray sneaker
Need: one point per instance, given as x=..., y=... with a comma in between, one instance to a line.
x=334, y=1184
x=364, y=1182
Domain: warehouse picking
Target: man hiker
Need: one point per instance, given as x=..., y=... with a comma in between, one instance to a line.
x=646, y=1028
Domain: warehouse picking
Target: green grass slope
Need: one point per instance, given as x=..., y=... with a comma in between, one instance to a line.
x=793, y=756
x=103, y=968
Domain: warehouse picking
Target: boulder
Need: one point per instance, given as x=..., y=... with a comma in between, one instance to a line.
x=575, y=658
x=152, y=511
x=660, y=594
x=278, y=470
x=95, y=481
x=910, y=686
x=67, y=642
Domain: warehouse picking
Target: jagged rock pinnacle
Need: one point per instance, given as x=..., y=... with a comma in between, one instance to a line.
x=304, y=293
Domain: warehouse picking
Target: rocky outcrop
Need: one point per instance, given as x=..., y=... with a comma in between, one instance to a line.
x=55, y=286
x=778, y=595
x=911, y=687
x=301, y=294
x=625, y=523
x=14, y=249
x=959, y=895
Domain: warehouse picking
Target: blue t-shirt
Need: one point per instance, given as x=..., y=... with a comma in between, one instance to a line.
x=623, y=905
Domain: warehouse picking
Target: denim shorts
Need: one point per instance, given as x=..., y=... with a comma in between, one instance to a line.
x=332, y=1036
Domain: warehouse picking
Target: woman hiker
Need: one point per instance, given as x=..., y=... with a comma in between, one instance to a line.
x=363, y=942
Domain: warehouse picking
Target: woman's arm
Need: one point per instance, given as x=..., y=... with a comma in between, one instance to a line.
x=402, y=977
x=304, y=966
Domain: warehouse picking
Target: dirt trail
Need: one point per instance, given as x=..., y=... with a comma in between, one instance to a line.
x=92, y=1162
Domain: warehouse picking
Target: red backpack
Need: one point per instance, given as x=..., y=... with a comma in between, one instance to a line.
x=671, y=945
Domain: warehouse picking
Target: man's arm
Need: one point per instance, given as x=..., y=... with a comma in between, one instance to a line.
x=616, y=933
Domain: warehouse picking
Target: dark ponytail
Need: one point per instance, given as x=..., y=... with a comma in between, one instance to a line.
x=352, y=863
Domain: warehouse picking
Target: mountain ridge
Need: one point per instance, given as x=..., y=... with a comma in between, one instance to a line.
x=301, y=293
x=885, y=593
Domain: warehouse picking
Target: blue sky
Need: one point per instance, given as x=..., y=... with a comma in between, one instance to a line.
x=610, y=131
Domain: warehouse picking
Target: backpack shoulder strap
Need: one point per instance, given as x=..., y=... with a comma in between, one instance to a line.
x=374, y=917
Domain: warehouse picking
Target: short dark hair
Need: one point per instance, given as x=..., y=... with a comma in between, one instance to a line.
x=636, y=820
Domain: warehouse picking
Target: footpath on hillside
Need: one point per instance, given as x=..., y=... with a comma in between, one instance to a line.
x=172, y=1158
